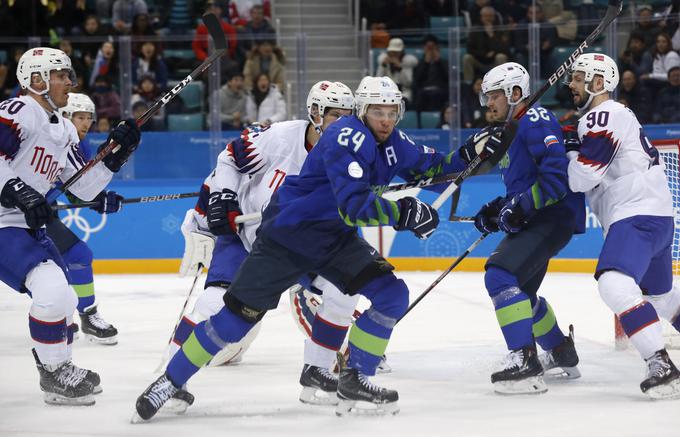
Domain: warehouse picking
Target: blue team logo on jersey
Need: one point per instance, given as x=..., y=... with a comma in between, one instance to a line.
x=550, y=140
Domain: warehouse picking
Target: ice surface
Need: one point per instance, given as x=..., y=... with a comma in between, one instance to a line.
x=442, y=354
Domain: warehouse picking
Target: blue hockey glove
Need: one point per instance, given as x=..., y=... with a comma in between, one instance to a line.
x=109, y=202
x=223, y=208
x=17, y=194
x=127, y=136
x=572, y=143
x=515, y=214
x=485, y=142
x=416, y=216
x=486, y=220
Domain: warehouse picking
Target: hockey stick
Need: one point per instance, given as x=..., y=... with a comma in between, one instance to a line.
x=165, y=357
x=144, y=199
x=443, y=275
x=462, y=219
x=215, y=30
x=613, y=11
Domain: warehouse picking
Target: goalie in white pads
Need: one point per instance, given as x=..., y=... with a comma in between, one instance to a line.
x=247, y=174
x=37, y=148
x=612, y=161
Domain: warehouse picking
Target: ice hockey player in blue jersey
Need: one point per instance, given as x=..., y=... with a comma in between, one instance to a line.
x=310, y=225
x=539, y=214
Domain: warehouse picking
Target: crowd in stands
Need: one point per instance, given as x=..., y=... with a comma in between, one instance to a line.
x=409, y=47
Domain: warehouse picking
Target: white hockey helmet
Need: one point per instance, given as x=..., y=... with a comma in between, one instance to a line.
x=42, y=60
x=326, y=95
x=505, y=77
x=591, y=64
x=78, y=103
x=378, y=91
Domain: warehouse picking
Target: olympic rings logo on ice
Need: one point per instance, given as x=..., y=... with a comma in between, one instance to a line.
x=73, y=217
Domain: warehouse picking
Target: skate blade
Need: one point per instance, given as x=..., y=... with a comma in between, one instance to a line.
x=315, y=396
x=348, y=407
x=383, y=368
x=175, y=406
x=665, y=391
x=55, y=399
x=136, y=418
x=562, y=373
x=108, y=341
x=528, y=386
x=97, y=389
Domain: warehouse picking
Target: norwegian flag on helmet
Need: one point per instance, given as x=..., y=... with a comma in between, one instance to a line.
x=37, y=52
x=598, y=57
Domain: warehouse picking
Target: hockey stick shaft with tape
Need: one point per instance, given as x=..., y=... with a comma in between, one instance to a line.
x=143, y=199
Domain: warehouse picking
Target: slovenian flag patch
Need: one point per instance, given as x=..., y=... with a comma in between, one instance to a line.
x=550, y=140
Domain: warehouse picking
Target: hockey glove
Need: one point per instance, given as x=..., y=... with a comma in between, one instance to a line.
x=485, y=142
x=222, y=211
x=486, y=220
x=572, y=143
x=127, y=136
x=416, y=216
x=109, y=202
x=515, y=214
x=17, y=194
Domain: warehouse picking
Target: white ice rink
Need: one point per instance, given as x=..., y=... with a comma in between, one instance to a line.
x=442, y=355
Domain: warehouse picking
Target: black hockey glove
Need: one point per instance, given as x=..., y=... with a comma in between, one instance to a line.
x=572, y=143
x=416, y=216
x=127, y=136
x=109, y=202
x=516, y=213
x=222, y=211
x=485, y=142
x=17, y=194
x=486, y=220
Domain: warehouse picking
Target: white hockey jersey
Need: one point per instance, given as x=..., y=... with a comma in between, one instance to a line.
x=256, y=164
x=40, y=152
x=617, y=167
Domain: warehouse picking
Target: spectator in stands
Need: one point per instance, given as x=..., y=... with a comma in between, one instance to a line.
x=512, y=11
x=664, y=58
x=265, y=103
x=668, y=108
x=440, y=8
x=105, y=99
x=257, y=29
x=92, y=34
x=141, y=28
x=239, y=10
x=637, y=96
x=154, y=124
x=472, y=107
x=380, y=37
x=27, y=18
x=647, y=26
x=103, y=124
x=9, y=87
x=233, y=103
x=445, y=118
x=475, y=10
x=265, y=58
x=486, y=48
x=123, y=12
x=200, y=42
x=146, y=90
x=431, y=78
x=636, y=57
x=411, y=16
x=105, y=64
x=68, y=16
x=547, y=37
x=76, y=62
x=398, y=66
x=149, y=63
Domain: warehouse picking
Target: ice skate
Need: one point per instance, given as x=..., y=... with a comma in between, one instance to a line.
x=319, y=386
x=65, y=385
x=357, y=395
x=561, y=362
x=522, y=374
x=96, y=329
x=179, y=402
x=153, y=398
x=663, y=378
x=383, y=367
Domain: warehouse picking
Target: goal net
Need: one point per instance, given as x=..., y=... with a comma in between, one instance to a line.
x=669, y=153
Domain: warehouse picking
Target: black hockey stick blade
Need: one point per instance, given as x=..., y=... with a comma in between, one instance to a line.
x=215, y=30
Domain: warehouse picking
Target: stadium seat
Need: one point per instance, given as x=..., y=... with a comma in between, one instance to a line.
x=185, y=122
x=410, y=120
x=440, y=25
x=192, y=96
x=3, y=56
x=548, y=99
x=429, y=119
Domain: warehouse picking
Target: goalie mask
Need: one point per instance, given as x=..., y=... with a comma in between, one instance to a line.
x=325, y=95
x=378, y=91
x=592, y=64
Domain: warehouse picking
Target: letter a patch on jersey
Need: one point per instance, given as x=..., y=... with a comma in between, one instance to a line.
x=390, y=155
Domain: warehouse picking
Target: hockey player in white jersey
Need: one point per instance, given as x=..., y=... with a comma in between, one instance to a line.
x=248, y=172
x=612, y=161
x=38, y=147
